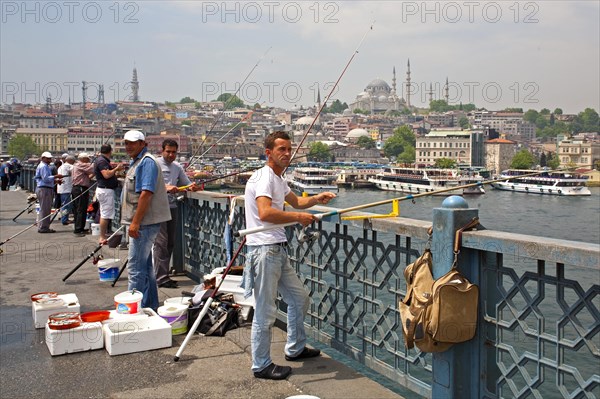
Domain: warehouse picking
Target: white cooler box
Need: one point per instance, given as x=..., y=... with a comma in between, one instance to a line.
x=86, y=337
x=136, y=333
x=41, y=311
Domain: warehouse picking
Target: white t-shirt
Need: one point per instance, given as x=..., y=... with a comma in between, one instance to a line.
x=264, y=183
x=66, y=169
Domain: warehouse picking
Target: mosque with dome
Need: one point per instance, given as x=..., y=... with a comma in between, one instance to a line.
x=379, y=98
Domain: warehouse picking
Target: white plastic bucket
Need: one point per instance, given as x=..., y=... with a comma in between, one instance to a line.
x=95, y=229
x=108, y=269
x=88, y=223
x=176, y=315
x=129, y=302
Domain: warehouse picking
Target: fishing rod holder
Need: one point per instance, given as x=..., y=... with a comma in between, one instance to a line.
x=395, y=213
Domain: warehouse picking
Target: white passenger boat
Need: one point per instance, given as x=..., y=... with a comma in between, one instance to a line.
x=417, y=180
x=546, y=183
x=313, y=180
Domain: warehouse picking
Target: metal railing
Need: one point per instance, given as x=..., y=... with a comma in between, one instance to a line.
x=539, y=325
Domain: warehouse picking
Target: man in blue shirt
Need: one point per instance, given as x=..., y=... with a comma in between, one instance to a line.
x=144, y=207
x=44, y=191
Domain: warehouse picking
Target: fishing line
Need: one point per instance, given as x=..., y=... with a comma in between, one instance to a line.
x=194, y=158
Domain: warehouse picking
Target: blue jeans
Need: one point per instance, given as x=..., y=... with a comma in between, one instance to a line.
x=139, y=265
x=65, y=210
x=272, y=273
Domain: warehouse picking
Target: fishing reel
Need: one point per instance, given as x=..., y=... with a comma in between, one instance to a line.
x=308, y=235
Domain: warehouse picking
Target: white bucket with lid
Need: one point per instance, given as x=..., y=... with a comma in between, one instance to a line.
x=108, y=269
x=95, y=229
x=176, y=315
x=129, y=302
x=179, y=300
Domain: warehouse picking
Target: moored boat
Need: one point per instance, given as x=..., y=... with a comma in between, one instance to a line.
x=313, y=180
x=545, y=183
x=417, y=180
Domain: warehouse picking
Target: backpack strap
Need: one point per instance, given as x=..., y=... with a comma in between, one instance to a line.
x=458, y=238
x=410, y=330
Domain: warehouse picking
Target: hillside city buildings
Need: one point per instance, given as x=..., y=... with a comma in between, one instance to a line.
x=490, y=141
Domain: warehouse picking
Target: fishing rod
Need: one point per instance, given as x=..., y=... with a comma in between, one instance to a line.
x=321, y=216
x=245, y=118
x=207, y=304
x=194, y=157
x=90, y=255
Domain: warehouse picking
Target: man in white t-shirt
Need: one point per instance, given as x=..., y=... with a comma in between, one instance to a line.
x=64, y=188
x=267, y=260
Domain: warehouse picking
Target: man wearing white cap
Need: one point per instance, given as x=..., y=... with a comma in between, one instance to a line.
x=144, y=207
x=44, y=181
x=83, y=171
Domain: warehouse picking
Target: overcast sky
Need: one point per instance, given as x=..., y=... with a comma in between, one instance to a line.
x=496, y=54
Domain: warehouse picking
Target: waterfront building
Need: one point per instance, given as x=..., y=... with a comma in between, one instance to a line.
x=511, y=124
x=581, y=153
x=499, y=153
x=457, y=145
x=54, y=140
x=88, y=138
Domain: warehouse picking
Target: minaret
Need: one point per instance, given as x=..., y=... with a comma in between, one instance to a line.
x=318, y=103
x=135, y=87
x=408, y=85
x=394, y=81
x=430, y=93
x=447, y=92
x=83, y=96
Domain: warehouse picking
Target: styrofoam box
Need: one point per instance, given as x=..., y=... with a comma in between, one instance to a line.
x=231, y=284
x=41, y=312
x=86, y=337
x=144, y=313
x=136, y=335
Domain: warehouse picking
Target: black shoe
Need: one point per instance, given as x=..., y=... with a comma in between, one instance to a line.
x=274, y=372
x=169, y=284
x=79, y=234
x=305, y=354
x=47, y=231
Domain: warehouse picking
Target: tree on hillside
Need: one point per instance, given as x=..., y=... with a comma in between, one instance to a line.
x=463, y=122
x=319, y=152
x=558, y=111
x=186, y=100
x=543, y=160
x=365, y=142
x=531, y=116
x=22, y=146
x=231, y=101
x=523, y=160
x=361, y=111
x=402, y=139
x=519, y=110
x=336, y=107
x=438, y=106
x=552, y=161
x=445, y=163
x=408, y=155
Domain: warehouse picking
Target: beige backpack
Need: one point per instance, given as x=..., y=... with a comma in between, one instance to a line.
x=437, y=314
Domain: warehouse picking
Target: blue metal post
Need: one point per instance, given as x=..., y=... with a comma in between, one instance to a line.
x=456, y=372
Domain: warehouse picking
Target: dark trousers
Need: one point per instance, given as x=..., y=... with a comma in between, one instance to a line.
x=80, y=206
x=163, y=248
x=4, y=183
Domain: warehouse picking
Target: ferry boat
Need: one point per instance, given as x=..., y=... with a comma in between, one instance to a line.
x=546, y=183
x=417, y=180
x=313, y=180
